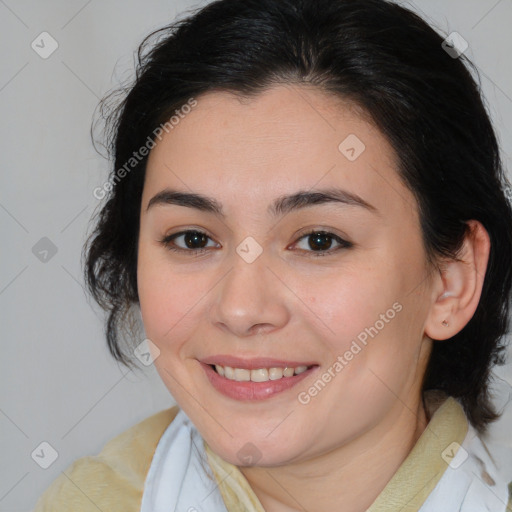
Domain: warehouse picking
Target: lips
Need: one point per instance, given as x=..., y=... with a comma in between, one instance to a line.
x=251, y=390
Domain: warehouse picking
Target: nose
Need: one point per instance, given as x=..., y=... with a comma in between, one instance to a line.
x=250, y=299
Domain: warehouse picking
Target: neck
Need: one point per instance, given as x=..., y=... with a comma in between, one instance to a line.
x=348, y=478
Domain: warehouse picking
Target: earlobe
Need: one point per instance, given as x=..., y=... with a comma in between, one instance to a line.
x=458, y=286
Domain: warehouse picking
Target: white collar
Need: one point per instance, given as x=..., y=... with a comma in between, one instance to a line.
x=179, y=478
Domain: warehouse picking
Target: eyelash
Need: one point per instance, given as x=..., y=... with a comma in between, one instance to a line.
x=166, y=242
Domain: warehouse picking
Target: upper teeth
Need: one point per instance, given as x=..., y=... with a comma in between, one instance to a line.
x=259, y=375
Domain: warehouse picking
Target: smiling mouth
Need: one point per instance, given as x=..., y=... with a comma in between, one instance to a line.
x=258, y=374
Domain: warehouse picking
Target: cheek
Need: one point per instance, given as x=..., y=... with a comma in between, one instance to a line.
x=166, y=298
x=370, y=322
x=351, y=301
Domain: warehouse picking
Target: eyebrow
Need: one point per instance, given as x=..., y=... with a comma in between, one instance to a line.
x=281, y=206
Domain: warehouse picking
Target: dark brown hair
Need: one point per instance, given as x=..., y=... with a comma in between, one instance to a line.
x=375, y=53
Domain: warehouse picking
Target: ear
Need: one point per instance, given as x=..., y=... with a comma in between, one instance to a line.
x=457, y=288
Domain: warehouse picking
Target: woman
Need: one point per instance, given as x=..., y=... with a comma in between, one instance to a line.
x=308, y=209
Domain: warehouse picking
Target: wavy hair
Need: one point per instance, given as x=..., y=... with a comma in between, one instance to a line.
x=375, y=53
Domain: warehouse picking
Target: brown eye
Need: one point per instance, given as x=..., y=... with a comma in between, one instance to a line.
x=194, y=242
x=320, y=242
x=194, y=238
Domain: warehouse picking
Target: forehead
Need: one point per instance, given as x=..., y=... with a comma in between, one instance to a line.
x=285, y=138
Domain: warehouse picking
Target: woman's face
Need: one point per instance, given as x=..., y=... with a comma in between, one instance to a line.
x=350, y=305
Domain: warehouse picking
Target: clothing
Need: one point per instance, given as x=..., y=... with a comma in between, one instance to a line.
x=113, y=480
x=163, y=464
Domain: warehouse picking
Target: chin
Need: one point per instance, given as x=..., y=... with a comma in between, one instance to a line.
x=252, y=450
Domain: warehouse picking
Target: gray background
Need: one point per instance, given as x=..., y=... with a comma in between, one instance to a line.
x=59, y=384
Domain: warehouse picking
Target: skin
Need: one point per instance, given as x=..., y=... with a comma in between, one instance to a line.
x=350, y=438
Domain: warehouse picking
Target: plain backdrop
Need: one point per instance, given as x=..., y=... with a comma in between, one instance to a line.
x=59, y=385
